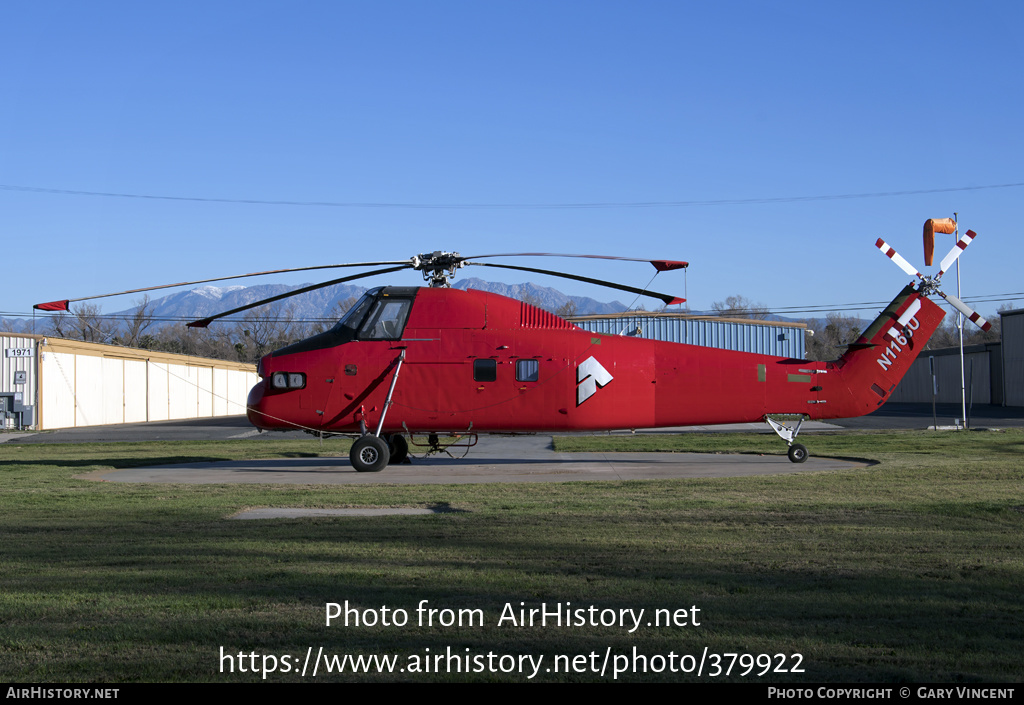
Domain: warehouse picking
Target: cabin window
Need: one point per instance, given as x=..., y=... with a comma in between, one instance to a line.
x=387, y=320
x=527, y=370
x=485, y=370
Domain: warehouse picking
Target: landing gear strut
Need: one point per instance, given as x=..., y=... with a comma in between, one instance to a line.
x=797, y=452
x=373, y=453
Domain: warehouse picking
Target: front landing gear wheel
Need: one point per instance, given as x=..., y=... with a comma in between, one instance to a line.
x=797, y=453
x=398, y=447
x=369, y=454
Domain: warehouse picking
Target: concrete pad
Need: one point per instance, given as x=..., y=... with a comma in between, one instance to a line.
x=759, y=427
x=301, y=512
x=13, y=435
x=493, y=459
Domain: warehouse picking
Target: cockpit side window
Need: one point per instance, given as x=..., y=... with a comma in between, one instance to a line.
x=386, y=320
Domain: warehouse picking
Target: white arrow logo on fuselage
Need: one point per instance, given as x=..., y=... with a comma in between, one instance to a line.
x=590, y=375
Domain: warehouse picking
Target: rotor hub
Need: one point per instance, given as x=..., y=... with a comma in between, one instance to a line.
x=438, y=267
x=929, y=285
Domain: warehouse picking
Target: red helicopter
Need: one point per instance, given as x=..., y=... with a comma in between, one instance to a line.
x=434, y=362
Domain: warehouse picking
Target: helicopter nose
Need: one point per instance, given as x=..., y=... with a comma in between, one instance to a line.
x=253, y=405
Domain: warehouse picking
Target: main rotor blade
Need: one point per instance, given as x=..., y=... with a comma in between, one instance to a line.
x=62, y=305
x=895, y=257
x=955, y=253
x=662, y=265
x=203, y=323
x=967, y=311
x=667, y=298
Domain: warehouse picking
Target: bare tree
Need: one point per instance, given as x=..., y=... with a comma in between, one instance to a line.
x=263, y=330
x=740, y=307
x=60, y=325
x=84, y=322
x=199, y=342
x=567, y=309
x=333, y=316
x=133, y=332
x=828, y=339
x=531, y=300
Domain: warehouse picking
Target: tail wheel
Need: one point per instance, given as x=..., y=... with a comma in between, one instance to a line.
x=398, y=447
x=797, y=453
x=369, y=454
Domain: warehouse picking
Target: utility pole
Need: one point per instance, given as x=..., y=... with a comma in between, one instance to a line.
x=960, y=327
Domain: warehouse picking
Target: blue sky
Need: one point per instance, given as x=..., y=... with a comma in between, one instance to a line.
x=536, y=103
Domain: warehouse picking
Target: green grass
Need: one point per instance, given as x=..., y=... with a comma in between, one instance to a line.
x=908, y=570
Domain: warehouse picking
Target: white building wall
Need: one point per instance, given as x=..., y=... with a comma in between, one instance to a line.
x=239, y=384
x=135, y=391
x=57, y=401
x=112, y=393
x=204, y=386
x=86, y=384
x=219, y=396
x=158, y=392
x=181, y=401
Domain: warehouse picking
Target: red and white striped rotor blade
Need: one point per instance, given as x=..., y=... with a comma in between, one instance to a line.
x=970, y=313
x=957, y=250
x=892, y=254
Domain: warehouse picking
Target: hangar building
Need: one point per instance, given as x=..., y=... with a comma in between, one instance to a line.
x=993, y=372
x=1013, y=357
x=48, y=383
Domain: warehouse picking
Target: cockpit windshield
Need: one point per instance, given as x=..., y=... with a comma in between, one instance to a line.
x=380, y=314
x=354, y=316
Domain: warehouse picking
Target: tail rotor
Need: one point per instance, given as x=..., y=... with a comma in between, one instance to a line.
x=930, y=284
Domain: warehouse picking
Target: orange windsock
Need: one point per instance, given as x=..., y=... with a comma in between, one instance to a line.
x=932, y=226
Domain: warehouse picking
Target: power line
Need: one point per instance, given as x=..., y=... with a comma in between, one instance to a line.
x=778, y=311
x=508, y=206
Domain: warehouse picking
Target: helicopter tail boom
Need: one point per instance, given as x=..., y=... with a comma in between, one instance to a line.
x=872, y=366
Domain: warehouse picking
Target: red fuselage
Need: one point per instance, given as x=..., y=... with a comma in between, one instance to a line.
x=482, y=361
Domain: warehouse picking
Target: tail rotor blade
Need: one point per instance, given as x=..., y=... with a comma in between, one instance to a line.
x=957, y=250
x=970, y=313
x=892, y=254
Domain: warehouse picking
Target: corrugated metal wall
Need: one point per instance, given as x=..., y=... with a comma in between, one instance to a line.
x=768, y=339
x=19, y=354
x=980, y=361
x=1013, y=357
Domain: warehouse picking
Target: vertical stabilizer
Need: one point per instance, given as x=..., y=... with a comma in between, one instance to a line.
x=872, y=367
